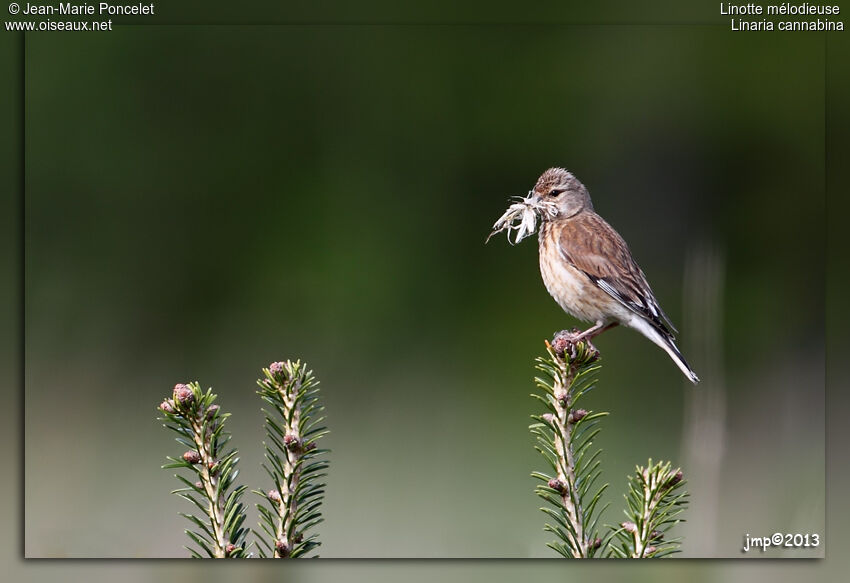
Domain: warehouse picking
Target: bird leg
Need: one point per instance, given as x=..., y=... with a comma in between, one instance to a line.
x=564, y=342
x=594, y=331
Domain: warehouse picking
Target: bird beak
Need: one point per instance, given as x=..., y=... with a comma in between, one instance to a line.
x=536, y=201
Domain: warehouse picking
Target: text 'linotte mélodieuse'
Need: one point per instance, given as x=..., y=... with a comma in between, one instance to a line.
x=787, y=16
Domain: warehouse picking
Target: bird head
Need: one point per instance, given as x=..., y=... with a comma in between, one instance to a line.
x=557, y=194
x=560, y=188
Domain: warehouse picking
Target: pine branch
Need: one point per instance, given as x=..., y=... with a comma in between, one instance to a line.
x=295, y=465
x=564, y=436
x=200, y=427
x=655, y=499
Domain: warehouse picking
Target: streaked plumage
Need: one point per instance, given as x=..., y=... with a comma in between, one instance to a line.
x=588, y=268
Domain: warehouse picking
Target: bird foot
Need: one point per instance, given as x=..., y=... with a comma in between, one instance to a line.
x=565, y=343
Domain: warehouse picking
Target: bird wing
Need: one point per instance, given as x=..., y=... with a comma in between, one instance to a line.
x=595, y=248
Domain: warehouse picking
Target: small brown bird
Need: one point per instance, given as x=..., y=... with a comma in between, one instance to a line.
x=588, y=268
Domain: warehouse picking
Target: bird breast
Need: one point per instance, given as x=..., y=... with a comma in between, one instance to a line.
x=572, y=288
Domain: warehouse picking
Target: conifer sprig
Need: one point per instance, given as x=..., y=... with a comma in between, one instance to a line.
x=199, y=424
x=564, y=436
x=655, y=499
x=293, y=423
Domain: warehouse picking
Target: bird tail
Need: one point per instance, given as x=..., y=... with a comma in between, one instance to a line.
x=665, y=341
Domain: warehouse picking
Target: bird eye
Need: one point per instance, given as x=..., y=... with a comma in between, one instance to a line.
x=555, y=192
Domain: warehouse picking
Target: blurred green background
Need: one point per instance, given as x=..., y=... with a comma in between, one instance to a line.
x=202, y=201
